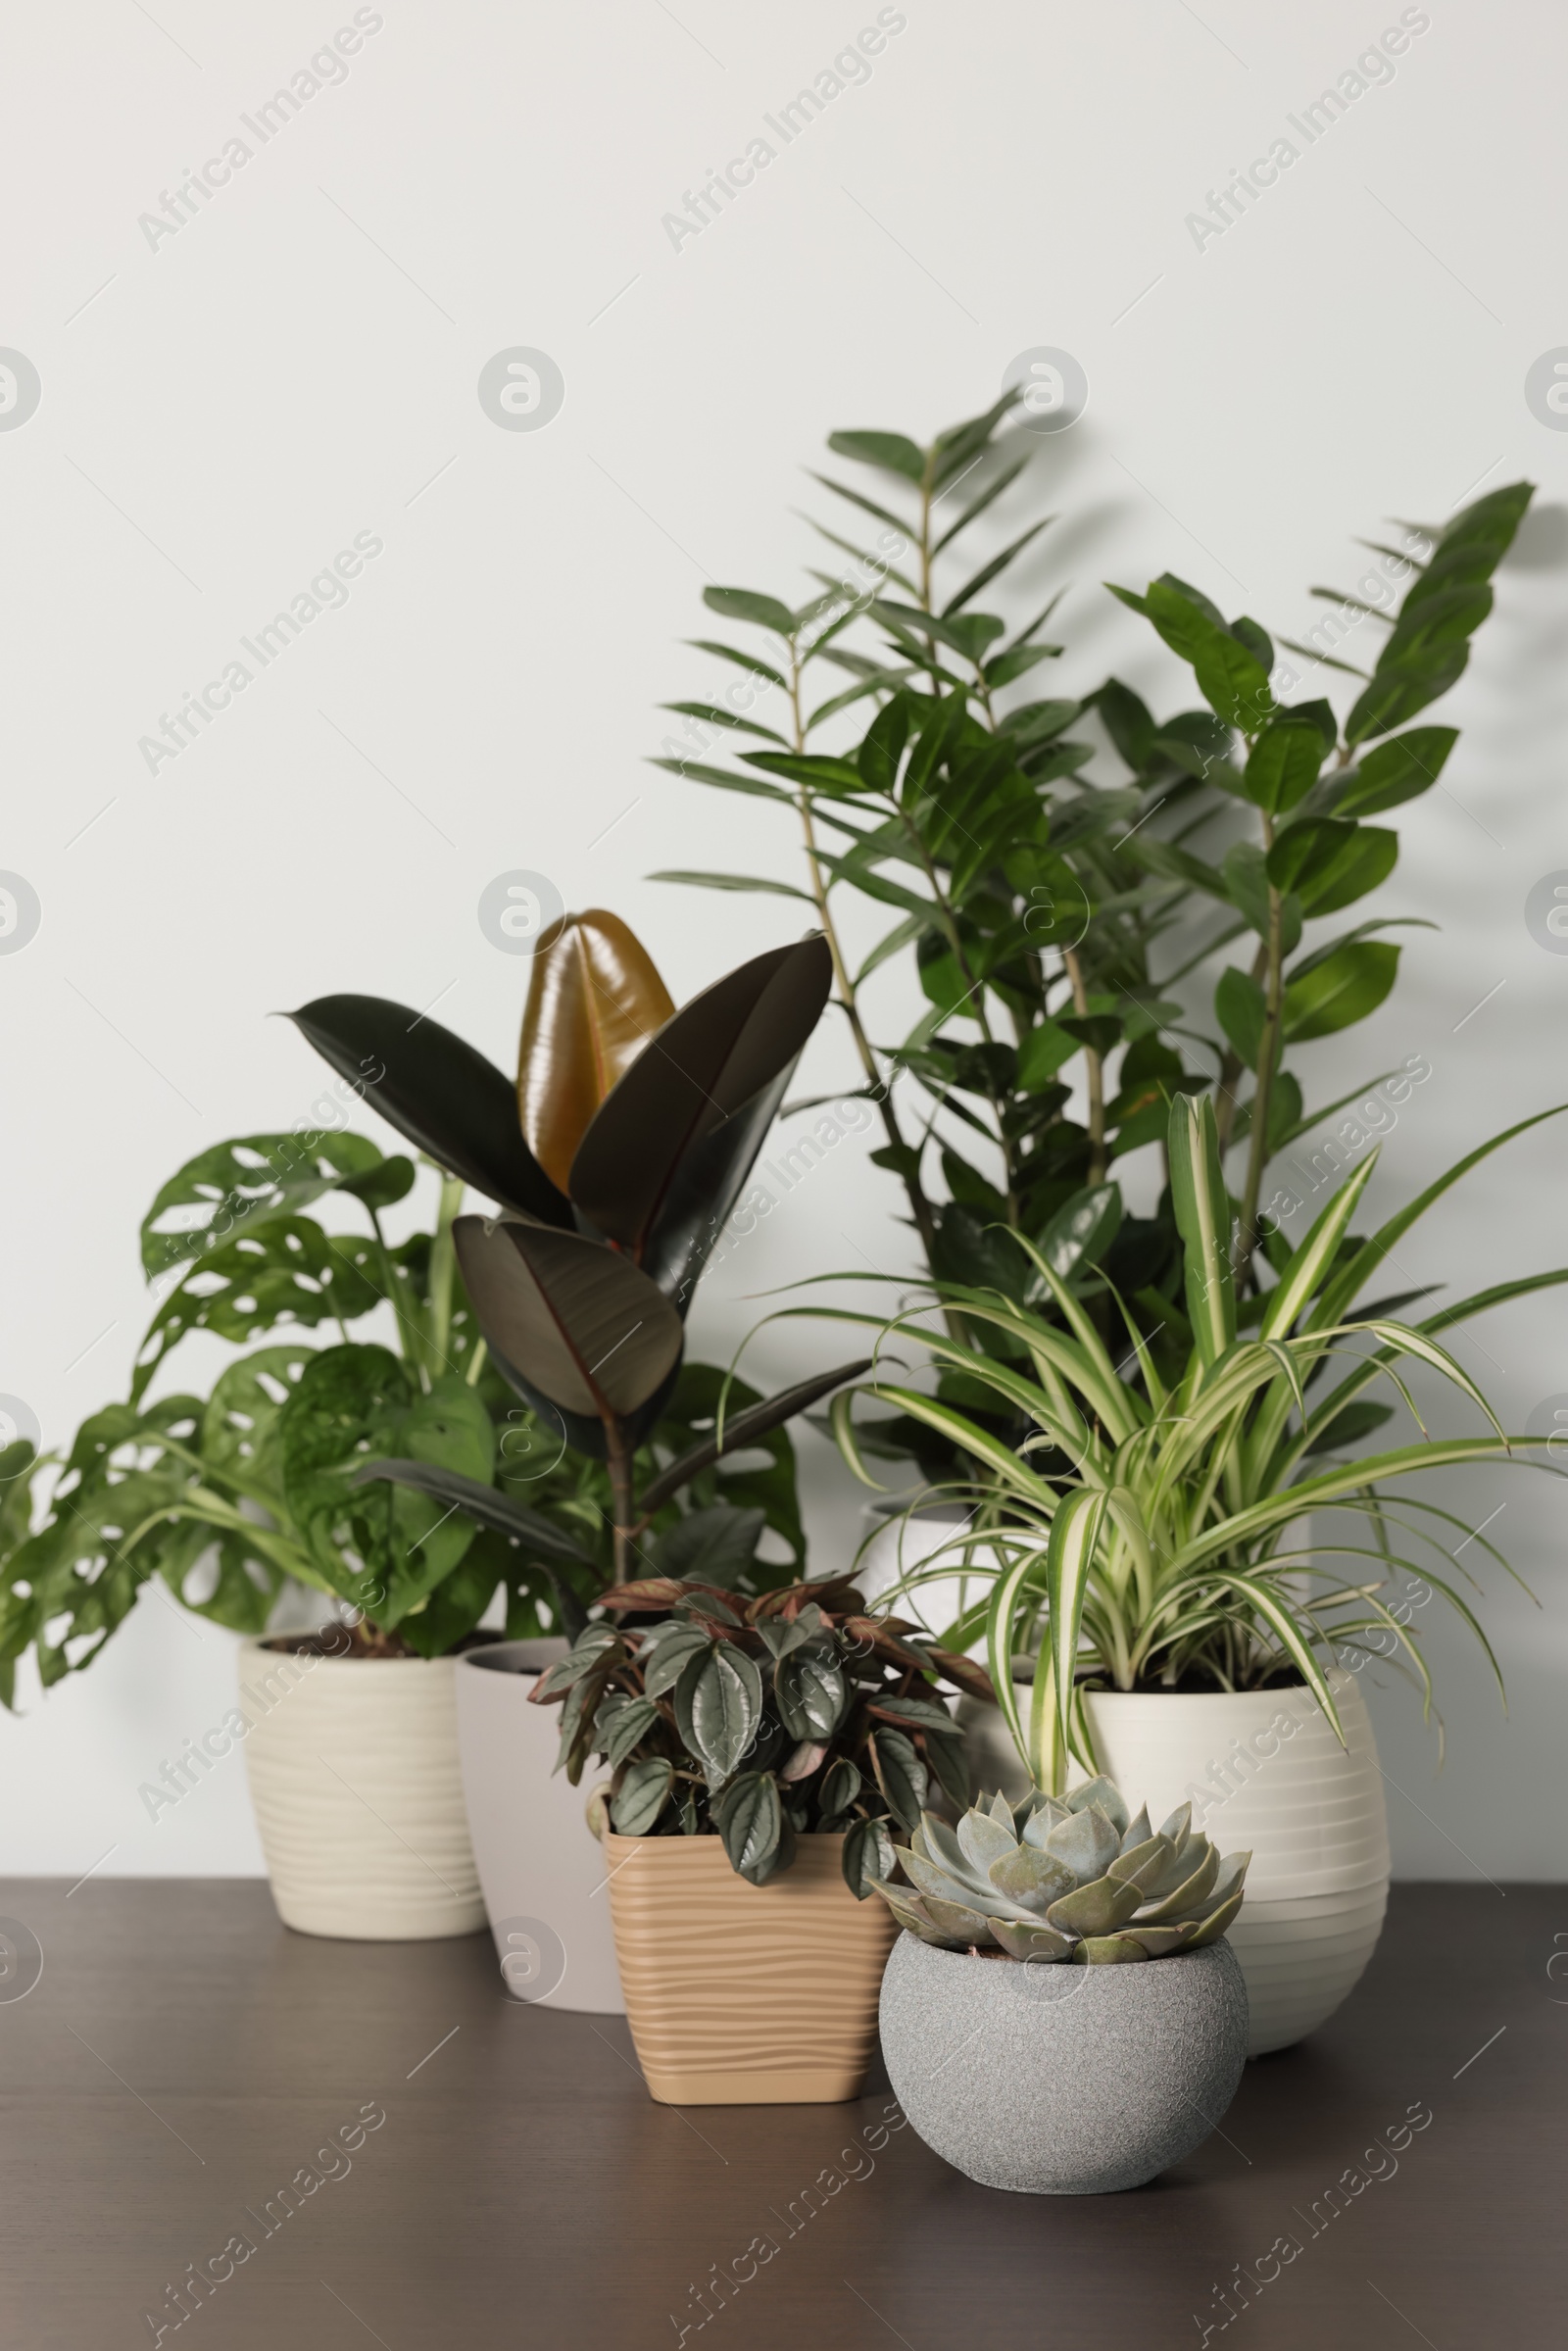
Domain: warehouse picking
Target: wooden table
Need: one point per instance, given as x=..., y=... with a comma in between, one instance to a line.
x=183, y=2058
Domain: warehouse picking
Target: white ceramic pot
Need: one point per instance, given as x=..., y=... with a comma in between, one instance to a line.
x=541, y=1868
x=353, y=1766
x=1263, y=1772
x=923, y=1539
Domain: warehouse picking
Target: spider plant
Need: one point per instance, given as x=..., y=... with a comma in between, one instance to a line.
x=1141, y=1536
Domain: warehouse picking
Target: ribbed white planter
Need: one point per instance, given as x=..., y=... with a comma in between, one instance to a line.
x=353, y=1767
x=1265, y=1773
x=541, y=1868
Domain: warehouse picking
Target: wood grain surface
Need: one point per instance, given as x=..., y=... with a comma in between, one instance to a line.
x=187, y=2073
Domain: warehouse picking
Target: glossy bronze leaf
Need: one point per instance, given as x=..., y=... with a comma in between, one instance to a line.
x=594, y=1000
x=580, y=1324
x=435, y=1088
x=720, y=1051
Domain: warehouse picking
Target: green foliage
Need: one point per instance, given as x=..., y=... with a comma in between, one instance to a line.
x=760, y=1720
x=1148, y=1535
x=224, y=1498
x=1035, y=901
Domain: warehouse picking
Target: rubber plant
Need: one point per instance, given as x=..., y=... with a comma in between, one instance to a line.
x=1147, y=1536
x=611, y=1191
x=228, y=1495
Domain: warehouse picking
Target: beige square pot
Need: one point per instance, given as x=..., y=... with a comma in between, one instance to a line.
x=739, y=1994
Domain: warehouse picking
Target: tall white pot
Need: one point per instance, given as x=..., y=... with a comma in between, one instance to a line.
x=901, y=1543
x=541, y=1868
x=353, y=1766
x=1263, y=1772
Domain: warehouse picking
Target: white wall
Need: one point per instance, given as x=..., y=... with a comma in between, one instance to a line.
x=221, y=413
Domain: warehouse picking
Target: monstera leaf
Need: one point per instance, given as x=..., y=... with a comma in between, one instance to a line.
x=522, y=1528
x=435, y=1088
x=594, y=1000
x=244, y=1186
x=577, y=1329
x=493, y=1509
x=705, y=1069
x=352, y=1402
x=288, y=1271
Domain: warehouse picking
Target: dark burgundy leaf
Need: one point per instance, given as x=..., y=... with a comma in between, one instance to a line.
x=435, y=1088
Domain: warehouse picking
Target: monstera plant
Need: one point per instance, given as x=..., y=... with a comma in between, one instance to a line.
x=611, y=1191
x=538, y=1348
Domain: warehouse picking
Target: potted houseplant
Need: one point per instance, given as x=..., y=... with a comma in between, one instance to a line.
x=251, y=1493
x=898, y=722
x=634, y=1130
x=1077, y=1959
x=239, y=1502
x=1144, y=1554
x=762, y=1754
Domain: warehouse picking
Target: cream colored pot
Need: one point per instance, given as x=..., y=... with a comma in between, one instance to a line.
x=539, y=1864
x=1264, y=1772
x=353, y=1767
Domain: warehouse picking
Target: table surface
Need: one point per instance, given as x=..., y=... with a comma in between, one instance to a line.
x=184, y=2057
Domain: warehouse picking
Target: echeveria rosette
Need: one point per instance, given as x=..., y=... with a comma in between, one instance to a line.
x=1066, y=1878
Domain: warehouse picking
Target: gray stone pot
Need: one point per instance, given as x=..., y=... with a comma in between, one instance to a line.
x=1062, y=2080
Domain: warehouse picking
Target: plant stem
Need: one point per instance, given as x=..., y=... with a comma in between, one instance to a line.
x=843, y=987
x=405, y=1313
x=1093, y=1071
x=1227, y=1101
x=443, y=1268
x=1267, y=1056
x=623, y=1495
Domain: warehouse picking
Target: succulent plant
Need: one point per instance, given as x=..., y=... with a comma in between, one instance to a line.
x=1069, y=1878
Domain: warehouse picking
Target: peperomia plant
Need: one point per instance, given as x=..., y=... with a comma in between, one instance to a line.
x=228, y=1495
x=760, y=1721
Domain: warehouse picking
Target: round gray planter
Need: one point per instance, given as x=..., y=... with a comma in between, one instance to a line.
x=1062, y=2080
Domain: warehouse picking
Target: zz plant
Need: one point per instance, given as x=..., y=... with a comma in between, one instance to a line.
x=1146, y=1534
x=760, y=1721
x=1036, y=902
x=1309, y=783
